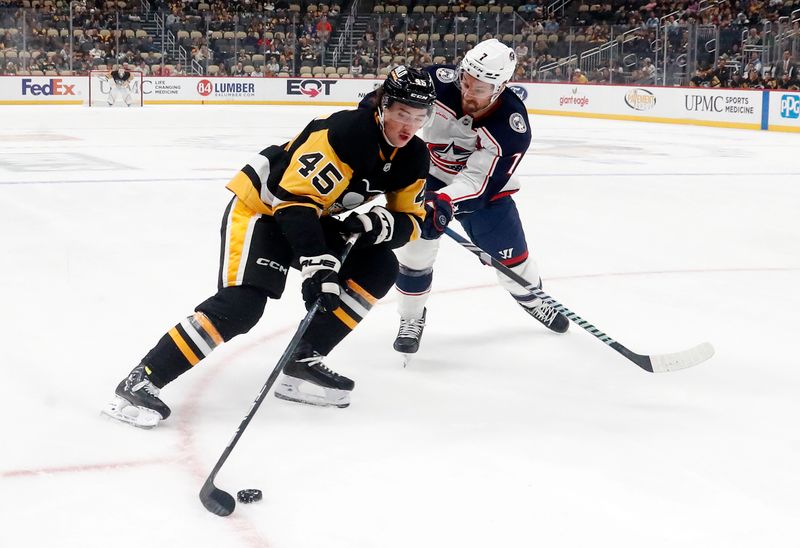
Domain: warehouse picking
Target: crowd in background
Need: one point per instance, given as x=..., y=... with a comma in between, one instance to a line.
x=250, y=38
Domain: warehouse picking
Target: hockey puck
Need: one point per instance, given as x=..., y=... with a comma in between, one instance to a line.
x=247, y=496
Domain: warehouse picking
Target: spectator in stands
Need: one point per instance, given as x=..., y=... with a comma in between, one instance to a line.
x=754, y=64
x=699, y=79
x=284, y=64
x=273, y=66
x=788, y=82
x=162, y=70
x=237, y=69
x=521, y=50
x=736, y=80
x=721, y=73
x=754, y=80
x=648, y=71
x=257, y=72
x=97, y=55
x=578, y=77
x=324, y=28
x=786, y=66
x=179, y=70
x=356, y=68
x=530, y=7
x=144, y=68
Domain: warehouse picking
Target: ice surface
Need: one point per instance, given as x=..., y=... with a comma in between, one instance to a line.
x=498, y=434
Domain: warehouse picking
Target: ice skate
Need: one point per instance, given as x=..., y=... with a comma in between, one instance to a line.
x=137, y=402
x=305, y=379
x=547, y=315
x=409, y=336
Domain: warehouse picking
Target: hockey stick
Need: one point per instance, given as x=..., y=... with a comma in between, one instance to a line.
x=213, y=498
x=652, y=363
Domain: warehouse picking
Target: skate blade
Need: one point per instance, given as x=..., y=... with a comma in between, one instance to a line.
x=331, y=397
x=407, y=359
x=140, y=417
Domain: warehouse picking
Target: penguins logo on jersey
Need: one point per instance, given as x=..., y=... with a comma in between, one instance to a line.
x=517, y=123
x=446, y=75
x=449, y=157
x=358, y=192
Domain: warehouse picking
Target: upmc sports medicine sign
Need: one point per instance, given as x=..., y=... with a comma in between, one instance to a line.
x=721, y=103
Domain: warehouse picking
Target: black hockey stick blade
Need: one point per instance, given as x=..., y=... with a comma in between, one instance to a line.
x=216, y=500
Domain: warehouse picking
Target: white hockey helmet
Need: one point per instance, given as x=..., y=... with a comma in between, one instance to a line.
x=490, y=61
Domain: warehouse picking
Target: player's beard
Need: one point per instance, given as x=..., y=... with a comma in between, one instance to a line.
x=472, y=106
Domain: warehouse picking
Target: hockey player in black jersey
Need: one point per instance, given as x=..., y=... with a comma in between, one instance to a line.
x=281, y=217
x=121, y=80
x=479, y=135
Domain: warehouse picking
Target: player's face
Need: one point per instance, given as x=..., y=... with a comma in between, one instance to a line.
x=475, y=95
x=401, y=122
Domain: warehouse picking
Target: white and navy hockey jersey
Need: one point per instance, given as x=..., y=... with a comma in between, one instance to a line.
x=473, y=161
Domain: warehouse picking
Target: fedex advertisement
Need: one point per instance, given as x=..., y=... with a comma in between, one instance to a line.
x=59, y=90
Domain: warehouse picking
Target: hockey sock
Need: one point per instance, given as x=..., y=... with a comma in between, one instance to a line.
x=414, y=287
x=528, y=300
x=183, y=347
x=328, y=330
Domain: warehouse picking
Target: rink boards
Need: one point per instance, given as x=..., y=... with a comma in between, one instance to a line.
x=744, y=109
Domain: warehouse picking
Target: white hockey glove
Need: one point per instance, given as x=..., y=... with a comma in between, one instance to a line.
x=376, y=226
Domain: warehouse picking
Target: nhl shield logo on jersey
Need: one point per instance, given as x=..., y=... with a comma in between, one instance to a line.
x=446, y=75
x=517, y=123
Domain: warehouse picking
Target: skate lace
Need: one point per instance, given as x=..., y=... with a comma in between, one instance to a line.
x=545, y=313
x=411, y=328
x=316, y=361
x=148, y=387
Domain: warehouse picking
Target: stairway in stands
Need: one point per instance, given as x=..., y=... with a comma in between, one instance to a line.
x=345, y=56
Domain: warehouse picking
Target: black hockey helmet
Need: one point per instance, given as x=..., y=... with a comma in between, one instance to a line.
x=409, y=86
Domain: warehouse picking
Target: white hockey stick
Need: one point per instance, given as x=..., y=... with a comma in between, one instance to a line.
x=654, y=364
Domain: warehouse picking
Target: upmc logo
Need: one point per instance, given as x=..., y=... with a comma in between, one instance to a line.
x=54, y=86
x=790, y=106
x=309, y=88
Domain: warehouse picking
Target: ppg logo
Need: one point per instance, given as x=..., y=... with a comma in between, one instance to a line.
x=790, y=106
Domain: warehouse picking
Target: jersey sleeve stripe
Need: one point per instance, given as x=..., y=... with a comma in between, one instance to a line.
x=483, y=185
x=493, y=140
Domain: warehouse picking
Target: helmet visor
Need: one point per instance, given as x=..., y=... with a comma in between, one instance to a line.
x=409, y=113
x=474, y=88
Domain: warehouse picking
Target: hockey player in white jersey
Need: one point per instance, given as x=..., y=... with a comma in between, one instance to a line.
x=479, y=135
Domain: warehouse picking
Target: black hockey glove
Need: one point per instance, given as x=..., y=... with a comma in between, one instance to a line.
x=438, y=214
x=320, y=281
x=376, y=226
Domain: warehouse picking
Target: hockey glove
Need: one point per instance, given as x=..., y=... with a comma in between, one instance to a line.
x=438, y=214
x=320, y=281
x=376, y=226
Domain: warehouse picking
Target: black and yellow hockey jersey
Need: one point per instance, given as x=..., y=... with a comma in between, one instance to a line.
x=334, y=165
